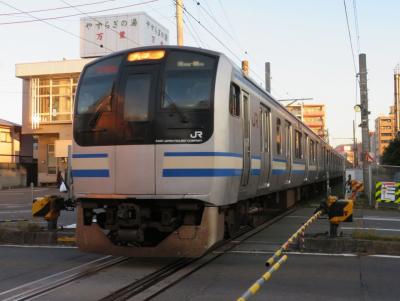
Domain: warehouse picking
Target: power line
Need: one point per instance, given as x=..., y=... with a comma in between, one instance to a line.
x=220, y=42
x=351, y=42
x=356, y=25
x=73, y=15
x=190, y=32
x=206, y=29
x=194, y=30
x=220, y=26
x=56, y=8
x=55, y=26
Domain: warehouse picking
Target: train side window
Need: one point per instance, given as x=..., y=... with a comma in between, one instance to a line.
x=298, y=149
x=312, y=152
x=234, y=100
x=278, y=137
x=265, y=129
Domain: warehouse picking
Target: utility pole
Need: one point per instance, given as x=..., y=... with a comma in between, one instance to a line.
x=364, y=122
x=179, y=22
x=355, y=150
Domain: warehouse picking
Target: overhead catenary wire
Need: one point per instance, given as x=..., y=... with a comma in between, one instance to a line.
x=225, y=46
x=350, y=39
x=36, y=19
x=356, y=25
x=190, y=31
x=55, y=8
x=55, y=26
x=207, y=30
x=193, y=29
x=211, y=16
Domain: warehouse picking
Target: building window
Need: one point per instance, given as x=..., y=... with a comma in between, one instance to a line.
x=5, y=136
x=52, y=99
x=51, y=160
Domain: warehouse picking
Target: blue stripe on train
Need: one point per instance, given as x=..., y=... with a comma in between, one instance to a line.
x=201, y=154
x=90, y=173
x=201, y=172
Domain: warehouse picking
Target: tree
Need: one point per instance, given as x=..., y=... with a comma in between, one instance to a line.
x=391, y=154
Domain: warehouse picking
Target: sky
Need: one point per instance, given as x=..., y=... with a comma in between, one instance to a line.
x=306, y=42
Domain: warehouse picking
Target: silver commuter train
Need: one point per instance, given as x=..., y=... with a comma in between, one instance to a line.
x=175, y=148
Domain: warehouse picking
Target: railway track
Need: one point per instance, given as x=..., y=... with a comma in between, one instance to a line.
x=153, y=278
x=46, y=284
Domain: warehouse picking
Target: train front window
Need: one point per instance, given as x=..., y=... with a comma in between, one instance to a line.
x=188, y=81
x=96, y=86
x=137, y=95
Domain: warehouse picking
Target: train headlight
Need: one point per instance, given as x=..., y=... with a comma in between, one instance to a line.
x=146, y=55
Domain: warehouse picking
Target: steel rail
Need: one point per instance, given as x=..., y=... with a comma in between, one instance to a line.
x=156, y=283
x=44, y=285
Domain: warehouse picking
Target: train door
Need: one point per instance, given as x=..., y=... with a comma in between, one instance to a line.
x=246, y=138
x=135, y=149
x=288, y=151
x=307, y=156
x=265, y=146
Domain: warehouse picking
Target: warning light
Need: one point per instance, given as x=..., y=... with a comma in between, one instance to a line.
x=146, y=55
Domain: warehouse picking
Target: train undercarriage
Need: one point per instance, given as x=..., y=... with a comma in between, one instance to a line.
x=171, y=228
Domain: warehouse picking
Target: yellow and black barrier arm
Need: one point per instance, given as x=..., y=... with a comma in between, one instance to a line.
x=270, y=262
x=285, y=246
x=264, y=278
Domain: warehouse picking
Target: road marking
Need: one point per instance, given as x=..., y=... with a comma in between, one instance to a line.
x=370, y=218
x=378, y=218
x=317, y=254
x=14, y=206
x=374, y=229
x=295, y=253
x=385, y=256
x=19, y=211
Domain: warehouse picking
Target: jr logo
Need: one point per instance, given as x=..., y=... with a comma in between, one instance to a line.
x=196, y=134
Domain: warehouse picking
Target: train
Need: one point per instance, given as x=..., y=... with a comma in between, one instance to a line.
x=176, y=148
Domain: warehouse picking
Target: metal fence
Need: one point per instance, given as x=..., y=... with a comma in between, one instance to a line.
x=385, y=183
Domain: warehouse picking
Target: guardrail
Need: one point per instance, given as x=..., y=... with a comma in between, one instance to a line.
x=255, y=287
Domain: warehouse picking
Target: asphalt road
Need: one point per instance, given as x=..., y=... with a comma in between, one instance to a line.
x=15, y=204
x=302, y=277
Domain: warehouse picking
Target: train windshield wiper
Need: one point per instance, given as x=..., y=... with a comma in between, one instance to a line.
x=102, y=105
x=172, y=104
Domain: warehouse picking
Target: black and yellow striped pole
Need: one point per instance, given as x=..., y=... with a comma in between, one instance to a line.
x=286, y=245
x=378, y=192
x=264, y=278
x=252, y=290
x=397, y=194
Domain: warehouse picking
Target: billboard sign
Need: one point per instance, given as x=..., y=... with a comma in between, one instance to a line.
x=101, y=35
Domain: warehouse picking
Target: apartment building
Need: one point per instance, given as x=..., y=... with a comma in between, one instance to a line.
x=384, y=132
x=313, y=115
